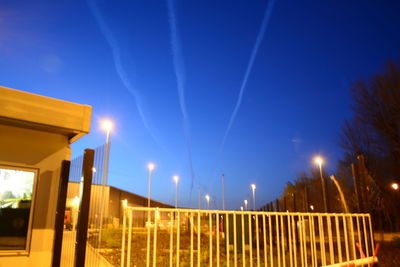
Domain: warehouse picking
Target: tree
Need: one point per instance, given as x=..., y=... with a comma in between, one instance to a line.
x=374, y=131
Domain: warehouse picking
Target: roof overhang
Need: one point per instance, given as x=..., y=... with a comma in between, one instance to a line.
x=27, y=110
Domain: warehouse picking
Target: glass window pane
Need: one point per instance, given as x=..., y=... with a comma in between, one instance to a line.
x=16, y=189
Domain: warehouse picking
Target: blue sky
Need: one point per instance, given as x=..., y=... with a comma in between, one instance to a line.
x=118, y=56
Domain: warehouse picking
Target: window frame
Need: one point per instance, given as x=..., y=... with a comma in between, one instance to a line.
x=26, y=250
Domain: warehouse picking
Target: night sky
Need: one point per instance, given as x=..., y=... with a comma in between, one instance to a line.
x=252, y=89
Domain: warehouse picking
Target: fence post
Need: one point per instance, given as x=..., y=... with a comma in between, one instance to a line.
x=60, y=213
x=83, y=219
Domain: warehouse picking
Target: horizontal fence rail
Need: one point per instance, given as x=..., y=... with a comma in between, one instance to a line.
x=187, y=237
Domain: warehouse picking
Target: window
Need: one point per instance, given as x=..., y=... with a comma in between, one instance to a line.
x=17, y=190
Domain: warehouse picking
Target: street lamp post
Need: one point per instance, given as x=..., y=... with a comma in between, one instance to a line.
x=319, y=161
x=107, y=125
x=245, y=204
x=253, y=189
x=176, y=180
x=150, y=167
x=208, y=201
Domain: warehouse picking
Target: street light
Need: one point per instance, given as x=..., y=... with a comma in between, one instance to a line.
x=150, y=167
x=395, y=186
x=312, y=207
x=245, y=204
x=176, y=180
x=208, y=201
x=319, y=161
x=106, y=125
x=241, y=208
x=253, y=189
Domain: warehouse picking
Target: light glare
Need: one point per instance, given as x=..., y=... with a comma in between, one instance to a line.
x=318, y=160
x=107, y=125
x=150, y=166
x=395, y=186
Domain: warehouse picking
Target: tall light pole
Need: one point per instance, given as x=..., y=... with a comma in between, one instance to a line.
x=208, y=201
x=150, y=167
x=245, y=204
x=319, y=161
x=106, y=125
x=253, y=189
x=176, y=180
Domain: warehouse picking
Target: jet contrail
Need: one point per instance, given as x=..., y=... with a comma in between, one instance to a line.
x=179, y=69
x=260, y=36
x=116, y=54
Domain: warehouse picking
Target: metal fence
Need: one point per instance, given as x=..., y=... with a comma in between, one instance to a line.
x=72, y=213
x=187, y=237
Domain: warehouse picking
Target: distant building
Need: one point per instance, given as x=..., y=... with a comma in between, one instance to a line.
x=112, y=198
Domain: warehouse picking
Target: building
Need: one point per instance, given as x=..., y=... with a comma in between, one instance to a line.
x=111, y=198
x=35, y=137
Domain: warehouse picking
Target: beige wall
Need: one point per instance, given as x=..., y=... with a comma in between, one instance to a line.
x=45, y=151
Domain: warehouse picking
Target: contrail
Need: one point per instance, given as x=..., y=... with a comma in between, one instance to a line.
x=116, y=53
x=179, y=69
x=260, y=36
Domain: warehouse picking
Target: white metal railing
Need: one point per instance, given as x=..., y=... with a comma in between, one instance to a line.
x=187, y=237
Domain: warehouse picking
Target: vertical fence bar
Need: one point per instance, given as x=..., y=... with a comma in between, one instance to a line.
x=83, y=219
x=283, y=240
x=210, y=236
x=178, y=237
x=257, y=241
x=353, y=244
x=171, y=238
x=155, y=237
x=148, y=238
x=277, y=239
x=322, y=239
x=303, y=235
x=250, y=242
x=338, y=241
x=198, y=238
x=234, y=240
x=294, y=239
x=330, y=239
x=123, y=237
x=365, y=237
x=290, y=240
x=265, y=240
x=359, y=234
x=314, y=241
x=370, y=231
x=346, y=241
x=217, y=233
x=59, y=221
x=128, y=257
x=227, y=240
x=243, y=243
x=271, y=250
x=191, y=239
x=301, y=240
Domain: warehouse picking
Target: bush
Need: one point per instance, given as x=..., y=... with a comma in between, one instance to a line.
x=111, y=238
x=396, y=241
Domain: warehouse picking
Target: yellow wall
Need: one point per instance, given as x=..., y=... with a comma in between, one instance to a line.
x=44, y=150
